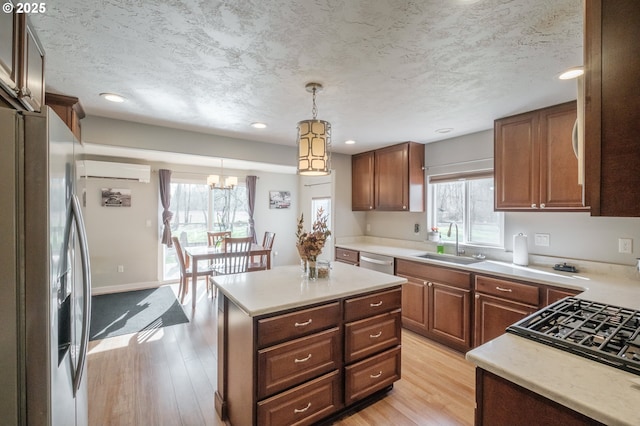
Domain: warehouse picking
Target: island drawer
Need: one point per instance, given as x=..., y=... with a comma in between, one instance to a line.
x=291, y=363
x=347, y=256
x=373, y=374
x=518, y=292
x=373, y=304
x=297, y=324
x=371, y=335
x=303, y=405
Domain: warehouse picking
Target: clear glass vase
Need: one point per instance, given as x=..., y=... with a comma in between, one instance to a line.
x=312, y=268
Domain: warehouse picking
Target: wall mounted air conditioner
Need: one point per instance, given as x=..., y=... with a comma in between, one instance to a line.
x=109, y=170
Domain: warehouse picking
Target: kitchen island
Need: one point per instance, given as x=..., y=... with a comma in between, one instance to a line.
x=292, y=350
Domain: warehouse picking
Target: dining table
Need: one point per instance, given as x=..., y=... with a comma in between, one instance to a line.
x=210, y=253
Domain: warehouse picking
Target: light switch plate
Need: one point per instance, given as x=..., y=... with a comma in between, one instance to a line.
x=542, y=240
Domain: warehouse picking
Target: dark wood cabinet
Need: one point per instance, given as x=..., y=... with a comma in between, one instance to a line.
x=68, y=109
x=351, y=257
x=399, y=177
x=553, y=294
x=436, y=303
x=612, y=107
x=9, y=53
x=303, y=365
x=535, y=165
x=500, y=303
x=21, y=63
x=501, y=402
x=389, y=179
x=362, y=197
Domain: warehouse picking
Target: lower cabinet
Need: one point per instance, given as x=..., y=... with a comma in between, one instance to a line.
x=499, y=303
x=304, y=404
x=351, y=257
x=301, y=366
x=436, y=302
x=499, y=400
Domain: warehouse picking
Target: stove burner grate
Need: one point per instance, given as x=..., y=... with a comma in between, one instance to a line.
x=604, y=333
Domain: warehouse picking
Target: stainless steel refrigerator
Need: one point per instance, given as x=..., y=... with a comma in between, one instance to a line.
x=45, y=285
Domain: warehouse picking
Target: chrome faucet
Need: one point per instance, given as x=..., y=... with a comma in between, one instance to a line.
x=458, y=250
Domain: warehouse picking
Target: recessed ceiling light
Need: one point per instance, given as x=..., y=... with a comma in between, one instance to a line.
x=112, y=97
x=571, y=73
x=258, y=125
x=349, y=142
x=444, y=130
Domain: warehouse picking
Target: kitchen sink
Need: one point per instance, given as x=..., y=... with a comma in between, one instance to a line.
x=449, y=258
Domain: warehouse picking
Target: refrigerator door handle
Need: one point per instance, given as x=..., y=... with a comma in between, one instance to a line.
x=76, y=211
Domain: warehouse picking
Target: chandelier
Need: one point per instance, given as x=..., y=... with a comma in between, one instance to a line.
x=314, y=141
x=220, y=182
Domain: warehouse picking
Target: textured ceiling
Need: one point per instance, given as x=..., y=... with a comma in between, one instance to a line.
x=393, y=70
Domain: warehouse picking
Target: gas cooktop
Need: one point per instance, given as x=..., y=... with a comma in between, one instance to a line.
x=604, y=333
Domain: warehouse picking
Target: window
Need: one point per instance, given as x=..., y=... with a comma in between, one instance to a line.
x=197, y=209
x=467, y=201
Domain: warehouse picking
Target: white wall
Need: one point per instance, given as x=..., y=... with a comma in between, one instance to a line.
x=120, y=236
x=572, y=235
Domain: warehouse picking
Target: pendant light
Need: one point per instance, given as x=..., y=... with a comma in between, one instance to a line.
x=314, y=141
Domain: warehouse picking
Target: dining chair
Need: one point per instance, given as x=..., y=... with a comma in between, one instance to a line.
x=261, y=263
x=235, y=259
x=215, y=239
x=185, y=270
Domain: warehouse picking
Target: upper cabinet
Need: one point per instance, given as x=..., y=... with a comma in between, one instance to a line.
x=362, y=181
x=69, y=109
x=389, y=179
x=612, y=107
x=9, y=56
x=21, y=63
x=535, y=164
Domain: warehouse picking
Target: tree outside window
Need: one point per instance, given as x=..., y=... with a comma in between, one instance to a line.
x=469, y=204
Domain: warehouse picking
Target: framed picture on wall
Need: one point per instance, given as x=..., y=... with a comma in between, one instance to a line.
x=279, y=199
x=114, y=197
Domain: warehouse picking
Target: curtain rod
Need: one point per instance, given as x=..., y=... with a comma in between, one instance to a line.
x=316, y=184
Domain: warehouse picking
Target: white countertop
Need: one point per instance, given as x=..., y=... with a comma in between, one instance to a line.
x=607, y=394
x=281, y=288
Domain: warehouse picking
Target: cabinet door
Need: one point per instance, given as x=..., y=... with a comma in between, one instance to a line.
x=362, y=181
x=32, y=75
x=9, y=51
x=517, y=162
x=612, y=102
x=494, y=315
x=559, y=186
x=450, y=315
x=392, y=178
x=414, y=301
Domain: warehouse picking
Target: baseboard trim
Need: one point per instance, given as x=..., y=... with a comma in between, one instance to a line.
x=95, y=291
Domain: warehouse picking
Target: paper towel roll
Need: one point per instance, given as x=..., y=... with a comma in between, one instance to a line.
x=520, y=250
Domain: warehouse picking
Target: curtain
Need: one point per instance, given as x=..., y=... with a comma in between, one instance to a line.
x=165, y=199
x=251, y=203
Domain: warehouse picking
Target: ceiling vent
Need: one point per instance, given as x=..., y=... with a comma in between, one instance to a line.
x=108, y=170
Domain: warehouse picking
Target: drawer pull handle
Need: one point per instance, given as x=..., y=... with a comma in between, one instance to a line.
x=305, y=359
x=302, y=410
x=302, y=324
x=375, y=336
x=375, y=305
x=375, y=376
x=506, y=290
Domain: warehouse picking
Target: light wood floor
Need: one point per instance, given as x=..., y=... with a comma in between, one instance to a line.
x=168, y=376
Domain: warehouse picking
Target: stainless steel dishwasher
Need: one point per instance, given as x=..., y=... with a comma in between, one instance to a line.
x=377, y=262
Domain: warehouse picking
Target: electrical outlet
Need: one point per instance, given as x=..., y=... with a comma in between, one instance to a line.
x=120, y=268
x=542, y=240
x=416, y=228
x=625, y=245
